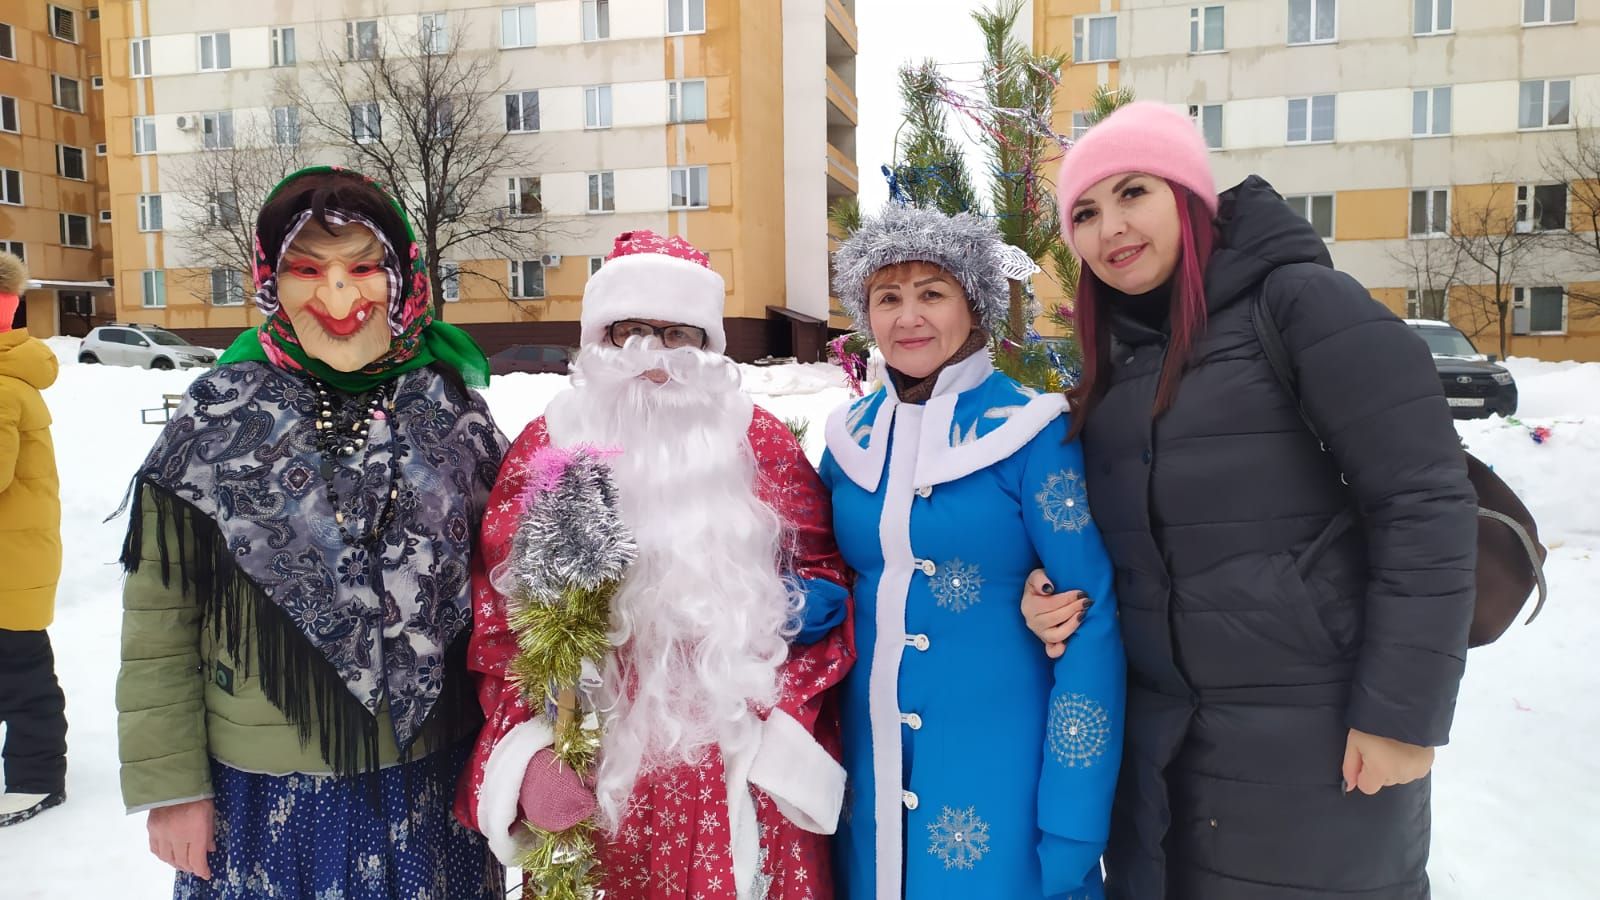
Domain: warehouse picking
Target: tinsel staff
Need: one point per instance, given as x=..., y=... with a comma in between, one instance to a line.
x=568, y=556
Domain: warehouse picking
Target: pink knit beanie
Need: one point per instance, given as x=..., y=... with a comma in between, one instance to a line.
x=1141, y=137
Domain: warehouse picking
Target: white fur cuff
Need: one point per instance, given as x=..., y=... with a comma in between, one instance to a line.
x=502, y=788
x=799, y=776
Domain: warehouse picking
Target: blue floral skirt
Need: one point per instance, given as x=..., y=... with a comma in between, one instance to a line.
x=321, y=837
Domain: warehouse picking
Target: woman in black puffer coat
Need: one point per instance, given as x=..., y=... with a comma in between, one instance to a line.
x=1289, y=673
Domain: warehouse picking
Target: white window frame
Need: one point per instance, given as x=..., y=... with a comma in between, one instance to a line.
x=97, y=83
x=139, y=58
x=144, y=135
x=597, y=109
x=1080, y=124
x=1430, y=99
x=595, y=264
x=449, y=280
x=61, y=162
x=597, y=184
x=1522, y=301
x=99, y=149
x=1314, y=38
x=356, y=49
x=444, y=117
x=693, y=184
x=1197, y=29
x=8, y=50
x=597, y=20
x=433, y=32
x=1544, y=16
x=1309, y=202
x=65, y=221
x=515, y=185
x=520, y=19
x=1544, y=94
x=231, y=282
x=1414, y=303
x=1433, y=229
x=1527, y=208
x=105, y=216
x=153, y=289
x=518, y=272
x=15, y=248
x=677, y=93
x=1311, y=121
x=221, y=47
x=217, y=211
x=151, y=213
x=1083, y=28
x=56, y=81
x=1197, y=112
x=686, y=12
x=10, y=111
x=286, y=122
x=1433, y=8
x=215, y=128
x=52, y=16
x=370, y=110
x=284, y=51
x=8, y=177
x=520, y=98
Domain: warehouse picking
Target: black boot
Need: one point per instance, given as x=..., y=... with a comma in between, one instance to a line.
x=11, y=814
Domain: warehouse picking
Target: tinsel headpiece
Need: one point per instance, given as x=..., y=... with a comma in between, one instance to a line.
x=966, y=246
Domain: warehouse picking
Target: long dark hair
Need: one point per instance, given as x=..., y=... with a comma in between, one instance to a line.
x=319, y=192
x=1197, y=234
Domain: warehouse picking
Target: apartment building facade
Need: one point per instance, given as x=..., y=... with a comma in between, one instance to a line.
x=728, y=123
x=1407, y=132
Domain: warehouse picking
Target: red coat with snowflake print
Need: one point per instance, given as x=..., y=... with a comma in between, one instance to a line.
x=681, y=838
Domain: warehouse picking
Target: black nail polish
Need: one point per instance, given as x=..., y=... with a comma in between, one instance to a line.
x=1088, y=605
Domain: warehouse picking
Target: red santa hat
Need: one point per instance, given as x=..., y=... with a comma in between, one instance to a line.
x=648, y=276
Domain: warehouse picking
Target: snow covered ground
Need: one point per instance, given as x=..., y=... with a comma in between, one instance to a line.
x=1517, y=809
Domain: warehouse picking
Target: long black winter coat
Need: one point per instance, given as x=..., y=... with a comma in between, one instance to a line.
x=1255, y=638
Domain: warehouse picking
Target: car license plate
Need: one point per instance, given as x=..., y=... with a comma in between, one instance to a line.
x=1466, y=401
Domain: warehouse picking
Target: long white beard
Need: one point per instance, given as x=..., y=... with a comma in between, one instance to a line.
x=702, y=619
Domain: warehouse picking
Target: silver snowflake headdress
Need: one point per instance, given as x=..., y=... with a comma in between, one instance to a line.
x=966, y=246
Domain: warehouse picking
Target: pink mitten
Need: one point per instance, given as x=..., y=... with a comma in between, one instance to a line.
x=553, y=797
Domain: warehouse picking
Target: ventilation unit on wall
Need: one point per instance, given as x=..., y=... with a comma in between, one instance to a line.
x=187, y=123
x=550, y=260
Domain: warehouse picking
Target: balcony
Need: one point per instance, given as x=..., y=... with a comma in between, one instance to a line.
x=842, y=175
x=843, y=19
x=842, y=108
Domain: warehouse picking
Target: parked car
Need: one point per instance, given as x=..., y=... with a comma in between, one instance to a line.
x=538, y=358
x=142, y=345
x=1475, y=386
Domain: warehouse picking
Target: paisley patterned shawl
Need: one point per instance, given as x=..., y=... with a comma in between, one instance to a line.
x=338, y=631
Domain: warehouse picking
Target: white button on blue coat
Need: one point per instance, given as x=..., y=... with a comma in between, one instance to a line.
x=909, y=799
x=927, y=567
x=912, y=721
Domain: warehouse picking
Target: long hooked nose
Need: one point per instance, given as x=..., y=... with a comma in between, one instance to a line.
x=338, y=291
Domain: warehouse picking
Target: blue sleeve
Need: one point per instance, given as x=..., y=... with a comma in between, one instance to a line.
x=1083, y=734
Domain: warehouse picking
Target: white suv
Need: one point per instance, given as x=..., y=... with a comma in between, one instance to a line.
x=145, y=346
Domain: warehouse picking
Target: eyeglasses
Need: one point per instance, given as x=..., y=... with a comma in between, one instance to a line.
x=672, y=336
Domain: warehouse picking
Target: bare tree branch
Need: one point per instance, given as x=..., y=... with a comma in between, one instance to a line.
x=1492, y=253
x=1576, y=166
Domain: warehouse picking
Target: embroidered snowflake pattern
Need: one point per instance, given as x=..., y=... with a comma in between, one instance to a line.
x=1079, y=731
x=957, y=586
x=1064, y=502
x=959, y=838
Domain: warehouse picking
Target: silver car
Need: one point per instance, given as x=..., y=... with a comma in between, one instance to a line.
x=145, y=346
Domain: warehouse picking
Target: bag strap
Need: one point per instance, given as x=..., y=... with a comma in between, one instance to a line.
x=1532, y=551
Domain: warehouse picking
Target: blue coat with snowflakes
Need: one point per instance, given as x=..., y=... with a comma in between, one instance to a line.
x=978, y=768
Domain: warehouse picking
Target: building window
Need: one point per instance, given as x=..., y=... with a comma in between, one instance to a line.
x=523, y=196
x=366, y=122
x=1313, y=21
x=1541, y=207
x=96, y=83
x=690, y=188
x=1316, y=209
x=602, y=192
x=139, y=58
x=450, y=280
x=216, y=52
x=227, y=287
x=1080, y=125
x=63, y=24
x=99, y=149
x=361, y=39
x=686, y=101
x=595, y=262
x=94, y=13
x=1205, y=29
x=527, y=279
x=68, y=93
x=10, y=187
x=15, y=248
x=8, y=42
x=516, y=27
x=1094, y=39
x=1539, y=310
x=1208, y=119
x=74, y=230
x=1549, y=12
x=1433, y=17
x=597, y=107
x=1430, y=212
x=686, y=16
x=1311, y=119
x=1430, y=112
x=222, y=209
x=286, y=125
x=522, y=111
x=1545, y=104
x=153, y=284
x=1431, y=304
x=596, y=20
x=216, y=130
x=8, y=115
x=150, y=212
x=70, y=163
x=433, y=32
x=105, y=216
x=444, y=117
x=144, y=134
x=283, y=52
x=76, y=303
